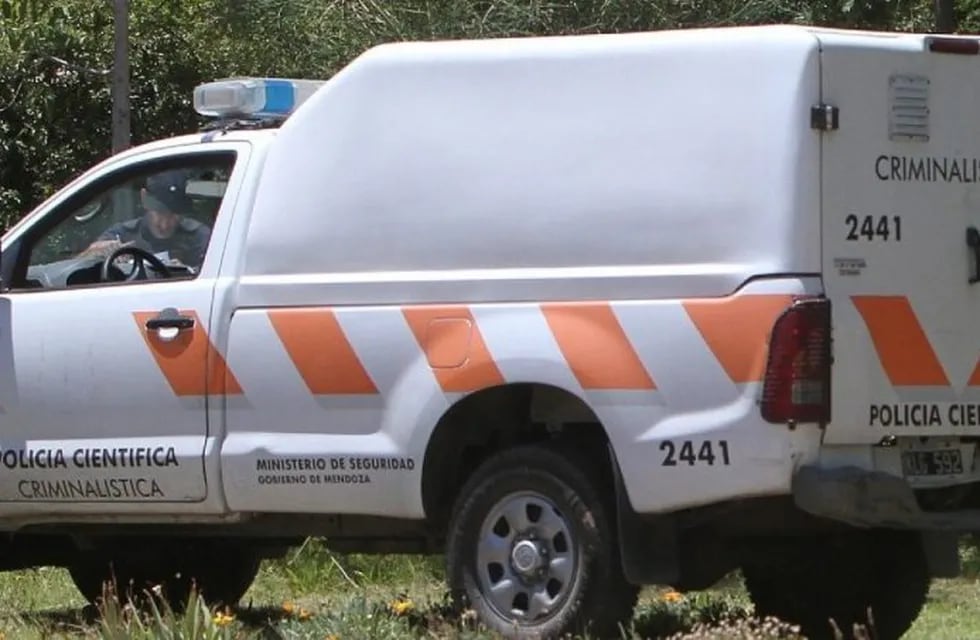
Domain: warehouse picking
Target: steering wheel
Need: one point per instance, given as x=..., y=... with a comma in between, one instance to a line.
x=140, y=256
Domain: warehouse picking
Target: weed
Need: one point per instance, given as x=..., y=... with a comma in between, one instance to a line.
x=154, y=619
x=315, y=594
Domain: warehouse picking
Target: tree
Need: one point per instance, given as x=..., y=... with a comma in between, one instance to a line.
x=120, y=76
x=945, y=16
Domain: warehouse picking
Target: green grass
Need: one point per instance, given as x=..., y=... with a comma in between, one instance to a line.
x=313, y=594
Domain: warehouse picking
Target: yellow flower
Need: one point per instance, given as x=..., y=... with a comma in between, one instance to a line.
x=288, y=607
x=672, y=596
x=401, y=606
x=304, y=614
x=223, y=619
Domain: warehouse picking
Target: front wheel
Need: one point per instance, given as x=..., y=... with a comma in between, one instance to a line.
x=531, y=549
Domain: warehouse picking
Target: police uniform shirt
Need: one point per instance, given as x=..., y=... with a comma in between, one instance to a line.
x=187, y=244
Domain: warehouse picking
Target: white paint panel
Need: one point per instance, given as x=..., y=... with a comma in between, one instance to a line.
x=395, y=361
x=676, y=355
x=894, y=185
x=514, y=214
x=284, y=437
x=522, y=345
x=77, y=363
x=275, y=395
x=505, y=285
x=701, y=404
x=283, y=472
x=96, y=470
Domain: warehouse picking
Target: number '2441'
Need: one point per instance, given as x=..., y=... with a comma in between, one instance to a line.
x=872, y=227
x=687, y=451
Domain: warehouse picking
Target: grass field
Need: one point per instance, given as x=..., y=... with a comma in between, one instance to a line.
x=314, y=594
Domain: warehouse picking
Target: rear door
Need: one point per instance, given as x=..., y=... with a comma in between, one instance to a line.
x=901, y=251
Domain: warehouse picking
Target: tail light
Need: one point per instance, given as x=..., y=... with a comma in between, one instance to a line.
x=796, y=387
x=965, y=46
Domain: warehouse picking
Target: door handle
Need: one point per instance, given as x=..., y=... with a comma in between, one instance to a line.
x=973, y=241
x=170, y=318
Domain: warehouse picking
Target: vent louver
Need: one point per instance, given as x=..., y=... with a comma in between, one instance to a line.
x=908, y=114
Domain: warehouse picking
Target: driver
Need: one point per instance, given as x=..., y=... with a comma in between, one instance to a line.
x=163, y=226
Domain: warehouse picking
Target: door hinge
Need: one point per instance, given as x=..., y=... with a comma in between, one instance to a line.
x=824, y=117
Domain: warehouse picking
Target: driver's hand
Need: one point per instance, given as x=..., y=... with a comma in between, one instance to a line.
x=105, y=247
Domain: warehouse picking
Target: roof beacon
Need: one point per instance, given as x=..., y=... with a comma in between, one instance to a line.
x=252, y=98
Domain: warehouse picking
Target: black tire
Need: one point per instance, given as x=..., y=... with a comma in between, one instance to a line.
x=220, y=572
x=592, y=596
x=840, y=578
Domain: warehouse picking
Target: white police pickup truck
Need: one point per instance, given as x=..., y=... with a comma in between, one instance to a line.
x=580, y=313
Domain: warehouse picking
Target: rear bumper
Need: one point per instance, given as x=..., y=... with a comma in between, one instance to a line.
x=866, y=498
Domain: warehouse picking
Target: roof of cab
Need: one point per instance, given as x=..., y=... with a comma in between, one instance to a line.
x=125, y=155
x=173, y=142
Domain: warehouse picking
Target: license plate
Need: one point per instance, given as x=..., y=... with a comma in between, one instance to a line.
x=937, y=462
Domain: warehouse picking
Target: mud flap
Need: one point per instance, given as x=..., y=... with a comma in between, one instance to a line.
x=648, y=546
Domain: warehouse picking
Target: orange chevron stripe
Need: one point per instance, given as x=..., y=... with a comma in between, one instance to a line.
x=737, y=330
x=975, y=376
x=190, y=362
x=454, y=347
x=903, y=348
x=321, y=352
x=596, y=346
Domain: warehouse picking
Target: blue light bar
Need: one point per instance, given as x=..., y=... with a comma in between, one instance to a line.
x=252, y=97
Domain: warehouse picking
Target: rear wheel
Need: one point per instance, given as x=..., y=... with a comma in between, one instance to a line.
x=531, y=549
x=220, y=571
x=841, y=578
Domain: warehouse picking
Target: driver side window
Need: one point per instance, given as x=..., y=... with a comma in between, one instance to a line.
x=155, y=224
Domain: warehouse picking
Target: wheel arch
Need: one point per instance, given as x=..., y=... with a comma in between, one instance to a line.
x=493, y=419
